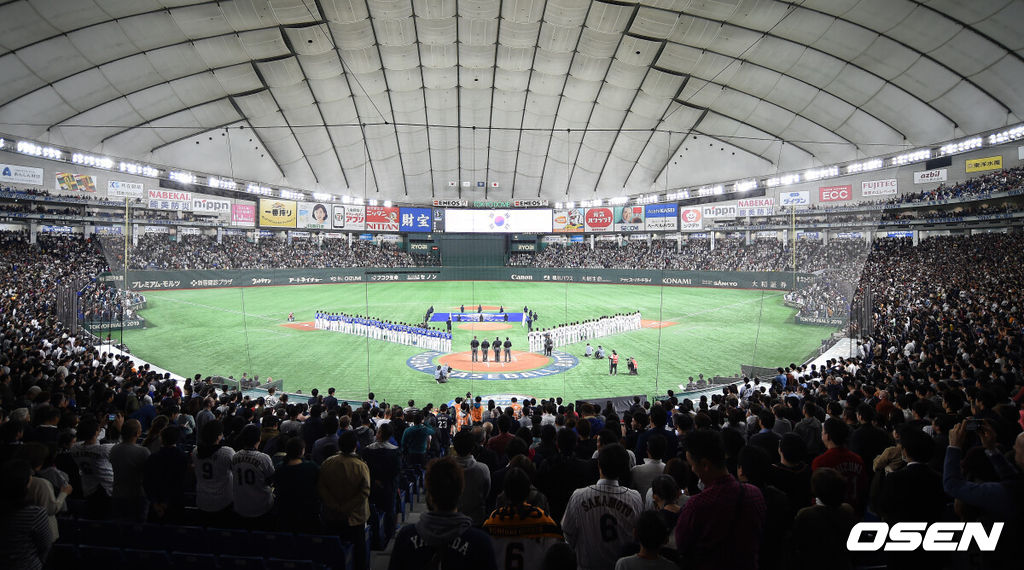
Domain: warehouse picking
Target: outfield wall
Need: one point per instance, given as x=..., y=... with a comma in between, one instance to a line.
x=201, y=279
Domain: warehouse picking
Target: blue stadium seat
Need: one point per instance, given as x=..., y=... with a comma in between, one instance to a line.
x=100, y=555
x=280, y=564
x=62, y=556
x=99, y=533
x=273, y=543
x=327, y=550
x=229, y=541
x=194, y=561
x=147, y=559
x=68, y=529
x=241, y=563
x=186, y=538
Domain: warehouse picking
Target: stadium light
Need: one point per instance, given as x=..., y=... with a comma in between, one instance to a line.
x=961, y=146
x=916, y=156
x=32, y=149
x=90, y=160
x=257, y=189
x=1006, y=136
x=182, y=176
x=223, y=183
x=618, y=201
x=2, y=143
x=387, y=203
x=358, y=201
x=818, y=174
x=139, y=169
x=558, y=205
x=290, y=195
x=866, y=166
x=322, y=197
x=745, y=185
x=373, y=202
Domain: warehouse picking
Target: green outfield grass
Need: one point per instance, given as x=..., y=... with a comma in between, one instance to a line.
x=228, y=331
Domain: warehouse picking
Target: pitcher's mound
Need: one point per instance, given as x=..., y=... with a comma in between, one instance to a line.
x=520, y=361
x=484, y=326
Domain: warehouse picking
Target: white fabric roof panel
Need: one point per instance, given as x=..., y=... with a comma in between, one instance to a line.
x=841, y=79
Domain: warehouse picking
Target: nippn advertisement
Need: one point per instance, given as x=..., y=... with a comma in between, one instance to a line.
x=277, y=213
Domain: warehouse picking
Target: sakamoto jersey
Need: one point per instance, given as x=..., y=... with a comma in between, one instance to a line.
x=599, y=521
x=251, y=471
x=93, y=463
x=214, y=474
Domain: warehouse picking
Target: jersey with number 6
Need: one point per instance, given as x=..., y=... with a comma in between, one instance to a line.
x=599, y=521
x=213, y=479
x=521, y=536
x=251, y=471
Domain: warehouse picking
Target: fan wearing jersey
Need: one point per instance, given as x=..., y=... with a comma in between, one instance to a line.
x=522, y=533
x=251, y=474
x=599, y=519
x=93, y=461
x=212, y=462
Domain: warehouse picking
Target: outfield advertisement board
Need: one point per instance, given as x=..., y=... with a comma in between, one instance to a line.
x=151, y=280
x=349, y=218
x=275, y=213
x=497, y=221
x=629, y=219
x=661, y=217
x=570, y=220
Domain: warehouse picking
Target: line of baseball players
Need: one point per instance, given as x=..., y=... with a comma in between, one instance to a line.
x=377, y=329
x=581, y=331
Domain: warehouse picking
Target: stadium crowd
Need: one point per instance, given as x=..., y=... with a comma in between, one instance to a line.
x=157, y=251
x=922, y=424
x=729, y=254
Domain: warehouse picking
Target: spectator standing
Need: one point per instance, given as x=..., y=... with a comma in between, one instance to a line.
x=295, y=490
x=25, y=537
x=344, y=488
x=415, y=439
x=93, y=461
x=476, y=479
x=599, y=519
x=253, y=497
x=443, y=537
x=711, y=520
x=521, y=531
x=652, y=535
x=824, y=528
x=212, y=462
x=128, y=460
x=164, y=478
x=834, y=435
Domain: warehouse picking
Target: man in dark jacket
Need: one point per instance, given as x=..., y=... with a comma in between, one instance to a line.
x=164, y=477
x=385, y=463
x=559, y=477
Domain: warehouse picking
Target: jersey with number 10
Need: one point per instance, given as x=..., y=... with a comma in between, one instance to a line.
x=599, y=521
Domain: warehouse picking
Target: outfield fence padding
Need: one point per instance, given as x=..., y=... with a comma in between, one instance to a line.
x=149, y=280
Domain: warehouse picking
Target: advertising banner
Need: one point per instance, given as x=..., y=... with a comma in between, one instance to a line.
x=382, y=219
x=189, y=231
x=119, y=189
x=349, y=218
x=869, y=188
x=691, y=219
x=211, y=206
x=983, y=164
x=724, y=211
x=56, y=229
x=314, y=215
x=170, y=200
x=109, y=230
x=661, y=217
x=451, y=203
x=755, y=207
x=599, y=219
x=629, y=218
x=70, y=182
x=929, y=176
x=802, y=198
x=415, y=219
x=835, y=193
x=21, y=174
x=243, y=215
x=276, y=213
x=568, y=221
x=438, y=223
x=498, y=221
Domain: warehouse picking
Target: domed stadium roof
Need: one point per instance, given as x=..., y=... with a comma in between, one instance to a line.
x=558, y=99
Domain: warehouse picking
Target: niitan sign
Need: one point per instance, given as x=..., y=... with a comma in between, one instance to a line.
x=727, y=211
x=835, y=193
x=121, y=189
x=929, y=176
x=869, y=188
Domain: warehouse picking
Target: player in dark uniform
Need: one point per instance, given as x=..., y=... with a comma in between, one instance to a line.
x=497, y=349
x=485, y=345
x=475, y=345
x=508, y=350
x=448, y=323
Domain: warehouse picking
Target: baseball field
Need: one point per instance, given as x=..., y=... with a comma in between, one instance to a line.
x=686, y=331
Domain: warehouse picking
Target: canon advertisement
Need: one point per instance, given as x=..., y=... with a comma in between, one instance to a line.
x=835, y=193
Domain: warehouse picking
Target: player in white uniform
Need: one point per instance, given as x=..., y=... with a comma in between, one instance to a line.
x=599, y=519
x=213, y=469
x=251, y=470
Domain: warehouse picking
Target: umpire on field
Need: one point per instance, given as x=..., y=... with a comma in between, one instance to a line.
x=474, y=345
